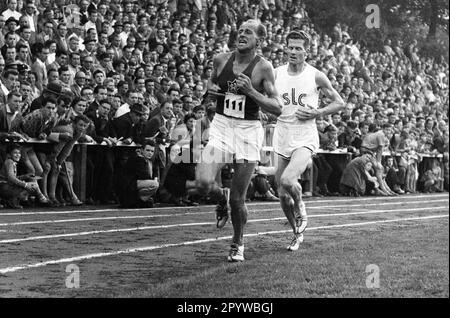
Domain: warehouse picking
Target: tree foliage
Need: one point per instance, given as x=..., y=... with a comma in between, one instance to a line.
x=423, y=20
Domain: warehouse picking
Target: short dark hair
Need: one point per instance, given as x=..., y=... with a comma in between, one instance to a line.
x=98, y=87
x=66, y=99
x=81, y=118
x=297, y=34
x=104, y=101
x=148, y=142
x=9, y=72
x=187, y=117
x=48, y=99
x=12, y=147
x=60, y=52
x=63, y=68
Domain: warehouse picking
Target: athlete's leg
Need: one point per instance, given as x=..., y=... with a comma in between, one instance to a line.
x=289, y=180
x=239, y=184
x=286, y=201
x=212, y=161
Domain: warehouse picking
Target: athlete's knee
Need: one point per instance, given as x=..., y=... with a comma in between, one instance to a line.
x=287, y=182
x=238, y=210
x=285, y=198
x=237, y=203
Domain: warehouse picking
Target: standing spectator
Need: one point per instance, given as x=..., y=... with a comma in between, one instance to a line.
x=40, y=52
x=39, y=124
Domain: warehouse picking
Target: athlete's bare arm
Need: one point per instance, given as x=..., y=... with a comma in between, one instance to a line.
x=336, y=104
x=272, y=102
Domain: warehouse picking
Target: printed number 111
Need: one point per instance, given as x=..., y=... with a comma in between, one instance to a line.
x=233, y=103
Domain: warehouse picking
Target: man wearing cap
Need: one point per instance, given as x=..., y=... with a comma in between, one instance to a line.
x=11, y=25
x=90, y=45
x=52, y=90
x=122, y=127
x=105, y=64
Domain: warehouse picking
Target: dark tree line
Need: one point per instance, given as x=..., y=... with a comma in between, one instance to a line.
x=403, y=19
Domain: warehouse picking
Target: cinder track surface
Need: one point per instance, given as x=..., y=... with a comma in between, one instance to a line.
x=178, y=252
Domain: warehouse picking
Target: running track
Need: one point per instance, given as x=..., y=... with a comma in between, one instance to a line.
x=111, y=246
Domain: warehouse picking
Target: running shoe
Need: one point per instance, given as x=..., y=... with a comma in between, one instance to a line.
x=301, y=220
x=236, y=253
x=295, y=243
x=222, y=209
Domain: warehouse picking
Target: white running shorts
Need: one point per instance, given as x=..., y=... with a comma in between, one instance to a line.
x=239, y=137
x=288, y=137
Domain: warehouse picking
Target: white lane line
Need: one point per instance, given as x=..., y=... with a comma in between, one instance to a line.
x=208, y=240
x=130, y=217
x=211, y=207
x=165, y=226
x=372, y=204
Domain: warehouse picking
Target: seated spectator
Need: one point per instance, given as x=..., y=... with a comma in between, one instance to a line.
x=262, y=184
x=138, y=185
x=356, y=179
x=374, y=143
x=180, y=181
x=432, y=179
x=14, y=188
x=395, y=177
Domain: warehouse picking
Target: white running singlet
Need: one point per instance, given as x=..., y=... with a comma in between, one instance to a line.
x=296, y=91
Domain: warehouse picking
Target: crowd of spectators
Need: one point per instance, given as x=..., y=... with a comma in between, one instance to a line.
x=130, y=76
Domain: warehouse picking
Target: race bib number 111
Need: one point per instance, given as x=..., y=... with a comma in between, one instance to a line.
x=234, y=105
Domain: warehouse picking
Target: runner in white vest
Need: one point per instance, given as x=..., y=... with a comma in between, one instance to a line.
x=295, y=136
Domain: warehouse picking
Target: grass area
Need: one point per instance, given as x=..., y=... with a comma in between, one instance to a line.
x=413, y=259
